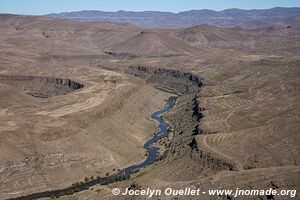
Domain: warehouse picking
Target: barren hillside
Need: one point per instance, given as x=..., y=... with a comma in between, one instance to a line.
x=76, y=100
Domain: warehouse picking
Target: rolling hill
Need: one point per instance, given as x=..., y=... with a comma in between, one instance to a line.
x=151, y=19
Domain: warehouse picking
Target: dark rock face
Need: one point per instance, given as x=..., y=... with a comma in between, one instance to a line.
x=196, y=109
x=193, y=144
x=41, y=86
x=120, y=55
x=173, y=81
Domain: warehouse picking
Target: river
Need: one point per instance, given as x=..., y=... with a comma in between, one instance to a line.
x=152, y=155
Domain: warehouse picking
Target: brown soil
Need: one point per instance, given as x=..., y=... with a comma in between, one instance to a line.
x=240, y=130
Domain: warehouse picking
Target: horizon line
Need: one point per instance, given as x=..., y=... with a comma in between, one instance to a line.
x=137, y=11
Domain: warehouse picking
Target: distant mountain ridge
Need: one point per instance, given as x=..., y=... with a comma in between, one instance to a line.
x=156, y=19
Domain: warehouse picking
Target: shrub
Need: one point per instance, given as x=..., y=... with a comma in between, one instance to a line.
x=237, y=91
x=136, y=171
x=119, y=178
x=127, y=176
x=104, y=183
x=69, y=192
x=111, y=181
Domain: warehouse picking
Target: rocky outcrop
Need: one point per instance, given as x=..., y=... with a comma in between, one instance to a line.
x=169, y=80
x=120, y=55
x=41, y=86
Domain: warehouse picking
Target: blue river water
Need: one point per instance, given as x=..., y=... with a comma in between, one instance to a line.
x=152, y=155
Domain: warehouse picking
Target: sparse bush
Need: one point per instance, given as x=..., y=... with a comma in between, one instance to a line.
x=60, y=194
x=69, y=192
x=237, y=91
x=135, y=171
x=111, y=181
x=170, y=129
x=120, y=178
x=127, y=176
